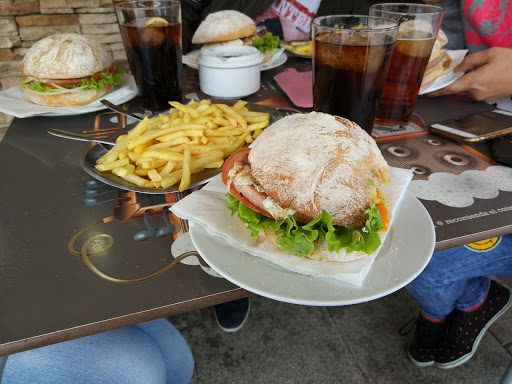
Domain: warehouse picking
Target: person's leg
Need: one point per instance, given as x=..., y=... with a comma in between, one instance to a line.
x=176, y=353
x=453, y=279
x=127, y=355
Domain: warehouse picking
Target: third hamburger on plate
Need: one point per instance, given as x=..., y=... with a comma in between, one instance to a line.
x=68, y=69
x=311, y=185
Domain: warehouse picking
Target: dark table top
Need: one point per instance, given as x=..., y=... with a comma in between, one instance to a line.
x=49, y=295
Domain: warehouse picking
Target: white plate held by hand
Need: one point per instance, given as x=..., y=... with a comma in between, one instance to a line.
x=403, y=256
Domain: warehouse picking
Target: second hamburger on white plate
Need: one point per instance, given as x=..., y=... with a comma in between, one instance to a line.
x=68, y=69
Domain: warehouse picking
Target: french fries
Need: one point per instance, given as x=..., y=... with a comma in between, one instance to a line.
x=304, y=48
x=168, y=149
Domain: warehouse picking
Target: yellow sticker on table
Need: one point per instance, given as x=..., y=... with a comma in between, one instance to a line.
x=484, y=245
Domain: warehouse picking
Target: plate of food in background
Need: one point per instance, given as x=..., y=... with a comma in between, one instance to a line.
x=439, y=72
x=299, y=48
x=231, y=27
x=67, y=74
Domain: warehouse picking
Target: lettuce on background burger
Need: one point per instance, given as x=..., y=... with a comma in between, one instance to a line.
x=68, y=69
x=311, y=185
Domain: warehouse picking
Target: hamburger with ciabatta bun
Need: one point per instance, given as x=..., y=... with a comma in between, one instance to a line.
x=231, y=27
x=438, y=62
x=68, y=69
x=311, y=185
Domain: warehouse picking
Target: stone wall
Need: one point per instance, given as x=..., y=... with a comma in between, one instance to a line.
x=24, y=22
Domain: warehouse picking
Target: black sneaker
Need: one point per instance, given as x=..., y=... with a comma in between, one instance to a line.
x=231, y=316
x=424, y=345
x=465, y=329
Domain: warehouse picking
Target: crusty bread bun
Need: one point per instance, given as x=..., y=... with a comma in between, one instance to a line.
x=316, y=161
x=59, y=100
x=224, y=26
x=301, y=166
x=65, y=56
x=436, y=69
x=437, y=49
x=67, y=69
x=438, y=62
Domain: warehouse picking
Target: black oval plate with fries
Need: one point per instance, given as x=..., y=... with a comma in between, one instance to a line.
x=196, y=179
x=299, y=48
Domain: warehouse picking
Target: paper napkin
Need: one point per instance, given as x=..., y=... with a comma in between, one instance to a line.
x=298, y=86
x=207, y=207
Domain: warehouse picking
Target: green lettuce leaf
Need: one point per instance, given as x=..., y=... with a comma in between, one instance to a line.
x=265, y=43
x=298, y=239
x=37, y=87
x=91, y=83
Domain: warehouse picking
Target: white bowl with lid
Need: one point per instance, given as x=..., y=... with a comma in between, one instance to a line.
x=230, y=71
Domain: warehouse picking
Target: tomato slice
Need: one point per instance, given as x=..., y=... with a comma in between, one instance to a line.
x=240, y=156
x=97, y=76
x=113, y=68
x=63, y=82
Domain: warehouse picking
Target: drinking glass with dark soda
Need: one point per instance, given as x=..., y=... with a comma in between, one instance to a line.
x=151, y=33
x=351, y=55
x=419, y=25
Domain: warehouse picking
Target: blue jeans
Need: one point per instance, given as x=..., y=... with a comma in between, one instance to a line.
x=151, y=352
x=456, y=277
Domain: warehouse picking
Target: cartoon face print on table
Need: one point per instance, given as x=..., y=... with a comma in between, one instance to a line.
x=445, y=171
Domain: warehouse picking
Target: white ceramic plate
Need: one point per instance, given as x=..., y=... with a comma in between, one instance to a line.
x=407, y=251
x=12, y=101
x=190, y=59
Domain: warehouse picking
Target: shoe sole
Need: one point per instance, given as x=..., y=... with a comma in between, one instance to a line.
x=465, y=358
x=421, y=363
x=231, y=330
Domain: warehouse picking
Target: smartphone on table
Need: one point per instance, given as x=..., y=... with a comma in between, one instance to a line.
x=475, y=128
x=502, y=150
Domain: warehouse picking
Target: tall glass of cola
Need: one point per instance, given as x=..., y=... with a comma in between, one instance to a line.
x=151, y=33
x=351, y=55
x=419, y=24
